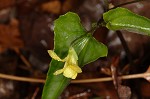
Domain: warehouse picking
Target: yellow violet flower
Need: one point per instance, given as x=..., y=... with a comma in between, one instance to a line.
x=71, y=68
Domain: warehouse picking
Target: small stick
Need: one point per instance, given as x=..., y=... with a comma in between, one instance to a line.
x=133, y=76
x=25, y=79
x=35, y=93
x=23, y=58
x=94, y=80
x=131, y=2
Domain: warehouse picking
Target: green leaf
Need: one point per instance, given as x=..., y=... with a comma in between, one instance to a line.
x=69, y=32
x=66, y=29
x=121, y=18
x=89, y=49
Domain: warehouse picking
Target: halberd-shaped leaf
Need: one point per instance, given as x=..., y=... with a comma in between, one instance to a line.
x=121, y=18
x=89, y=49
x=69, y=32
x=66, y=29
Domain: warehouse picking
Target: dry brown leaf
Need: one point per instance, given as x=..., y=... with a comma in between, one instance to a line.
x=106, y=71
x=6, y=3
x=10, y=36
x=144, y=89
x=124, y=92
x=58, y=7
x=52, y=7
x=69, y=4
x=114, y=71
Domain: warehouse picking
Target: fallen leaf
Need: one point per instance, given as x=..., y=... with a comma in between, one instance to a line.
x=114, y=72
x=10, y=36
x=52, y=7
x=6, y=3
x=106, y=71
x=69, y=4
x=124, y=92
x=144, y=89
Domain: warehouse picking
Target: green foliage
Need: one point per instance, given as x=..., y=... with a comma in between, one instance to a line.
x=121, y=18
x=69, y=32
x=89, y=49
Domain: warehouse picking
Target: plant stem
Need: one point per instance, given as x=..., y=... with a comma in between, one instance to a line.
x=125, y=46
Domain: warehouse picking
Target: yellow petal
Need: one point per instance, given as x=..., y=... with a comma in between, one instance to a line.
x=74, y=76
x=69, y=73
x=76, y=68
x=72, y=56
x=71, y=68
x=58, y=72
x=54, y=55
x=73, y=53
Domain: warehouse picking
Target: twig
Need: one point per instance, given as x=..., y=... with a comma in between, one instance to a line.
x=35, y=93
x=25, y=79
x=133, y=76
x=135, y=1
x=23, y=58
x=35, y=80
